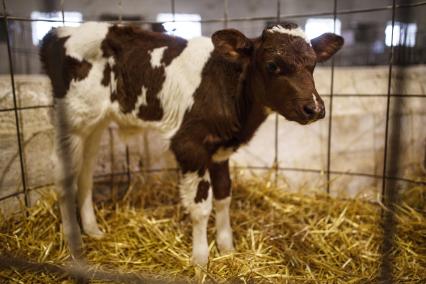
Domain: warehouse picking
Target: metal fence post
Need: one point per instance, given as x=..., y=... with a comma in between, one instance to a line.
x=330, y=115
x=15, y=109
x=276, y=162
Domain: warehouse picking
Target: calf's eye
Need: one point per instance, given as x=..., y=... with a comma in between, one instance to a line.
x=272, y=67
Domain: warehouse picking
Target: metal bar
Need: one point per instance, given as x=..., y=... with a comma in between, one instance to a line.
x=128, y=170
x=320, y=171
x=25, y=19
x=242, y=19
x=111, y=154
x=11, y=195
x=291, y=169
x=376, y=95
x=173, y=10
x=388, y=105
x=391, y=160
x=276, y=162
x=137, y=172
x=225, y=14
x=15, y=106
x=120, y=11
x=29, y=189
x=63, y=12
x=25, y=108
x=322, y=95
x=330, y=107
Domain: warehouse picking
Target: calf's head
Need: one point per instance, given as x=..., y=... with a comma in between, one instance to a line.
x=280, y=67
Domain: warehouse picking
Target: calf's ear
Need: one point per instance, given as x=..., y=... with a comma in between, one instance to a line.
x=326, y=45
x=232, y=45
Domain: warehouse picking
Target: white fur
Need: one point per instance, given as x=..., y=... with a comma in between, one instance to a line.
x=141, y=101
x=200, y=213
x=222, y=154
x=85, y=183
x=183, y=76
x=88, y=101
x=85, y=40
x=157, y=55
x=317, y=107
x=190, y=183
x=293, y=32
x=224, y=237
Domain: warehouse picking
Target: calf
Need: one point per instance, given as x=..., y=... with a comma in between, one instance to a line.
x=207, y=96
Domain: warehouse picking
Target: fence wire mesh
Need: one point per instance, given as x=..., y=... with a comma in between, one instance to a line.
x=82, y=272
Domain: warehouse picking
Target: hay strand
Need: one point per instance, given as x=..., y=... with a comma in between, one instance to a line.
x=280, y=237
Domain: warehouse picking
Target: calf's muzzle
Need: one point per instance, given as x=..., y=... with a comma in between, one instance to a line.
x=313, y=111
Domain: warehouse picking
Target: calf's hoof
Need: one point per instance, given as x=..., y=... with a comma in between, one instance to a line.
x=224, y=243
x=94, y=232
x=226, y=249
x=200, y=258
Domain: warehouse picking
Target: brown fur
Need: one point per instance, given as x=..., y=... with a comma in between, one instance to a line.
x=106, y=79
x=202, y=191
x=130, y=47
x=220, y=179
x=60, y=68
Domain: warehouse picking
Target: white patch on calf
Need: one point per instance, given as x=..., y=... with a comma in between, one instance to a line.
x=183, y=77
x=87, y=101
x=293, y=32
x=317, y=107
x=222, y=154
x=84, y=41
x=156, y=56
x=141, y=101
x=189, y=186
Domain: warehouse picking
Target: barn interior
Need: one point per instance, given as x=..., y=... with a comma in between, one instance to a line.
x=366, y=158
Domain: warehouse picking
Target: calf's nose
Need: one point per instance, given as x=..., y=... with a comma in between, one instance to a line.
x=313, y=111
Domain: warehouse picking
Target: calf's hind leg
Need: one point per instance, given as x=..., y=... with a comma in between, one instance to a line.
x=68, y=161
x=85, y=184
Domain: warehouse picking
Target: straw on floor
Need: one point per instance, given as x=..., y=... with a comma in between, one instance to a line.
x=280, y=237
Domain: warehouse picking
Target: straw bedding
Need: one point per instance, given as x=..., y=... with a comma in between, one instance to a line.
x=280, y=237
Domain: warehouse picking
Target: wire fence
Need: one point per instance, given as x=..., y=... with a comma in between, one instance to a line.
x=388, y=177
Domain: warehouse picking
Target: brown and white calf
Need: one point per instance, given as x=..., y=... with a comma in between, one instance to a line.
x=207, y=96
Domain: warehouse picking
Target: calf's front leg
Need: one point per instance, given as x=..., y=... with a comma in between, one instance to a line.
x=221, y=183
x=196, y=196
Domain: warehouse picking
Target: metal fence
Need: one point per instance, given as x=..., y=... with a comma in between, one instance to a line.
x=388, y=177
